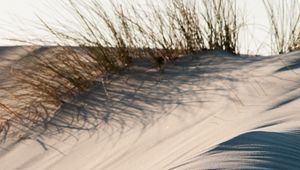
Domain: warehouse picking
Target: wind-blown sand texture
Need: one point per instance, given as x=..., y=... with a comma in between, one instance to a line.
x=212, y=110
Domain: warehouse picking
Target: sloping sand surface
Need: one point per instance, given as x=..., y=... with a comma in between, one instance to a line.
x=207, y=111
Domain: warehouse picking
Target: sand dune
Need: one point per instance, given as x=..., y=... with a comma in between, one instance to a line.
x=207, y=111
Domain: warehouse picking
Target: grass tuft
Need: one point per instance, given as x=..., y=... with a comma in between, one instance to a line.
x=284, y=17
x=104, y=41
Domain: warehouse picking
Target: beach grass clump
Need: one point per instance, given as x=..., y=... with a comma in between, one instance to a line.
x=222, y=25
x=163, y=31
x=103, y=41
x=284, y=17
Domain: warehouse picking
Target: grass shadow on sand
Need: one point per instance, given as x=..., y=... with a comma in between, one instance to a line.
x=141, y=95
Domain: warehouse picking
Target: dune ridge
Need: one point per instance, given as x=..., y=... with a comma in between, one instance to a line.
x=212, y=110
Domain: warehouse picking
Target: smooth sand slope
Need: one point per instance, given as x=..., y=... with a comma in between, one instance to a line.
x=207, y=111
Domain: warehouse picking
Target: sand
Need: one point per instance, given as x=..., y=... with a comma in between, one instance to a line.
x=212, y=110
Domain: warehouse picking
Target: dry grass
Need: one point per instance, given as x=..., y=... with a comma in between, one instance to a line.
x=105, y=43
x=296, y=43
x=284, y=17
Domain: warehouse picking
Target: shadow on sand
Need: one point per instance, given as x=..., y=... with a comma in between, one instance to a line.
x=295, y=91
x=253, y=150
x=141, y=95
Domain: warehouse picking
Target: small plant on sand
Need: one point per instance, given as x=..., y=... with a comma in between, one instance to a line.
x=284, y=17
x=222, y=25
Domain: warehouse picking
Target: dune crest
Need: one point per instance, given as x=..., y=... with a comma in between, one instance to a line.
x=205, y=111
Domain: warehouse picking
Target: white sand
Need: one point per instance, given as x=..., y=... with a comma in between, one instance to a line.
x=234, y=113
